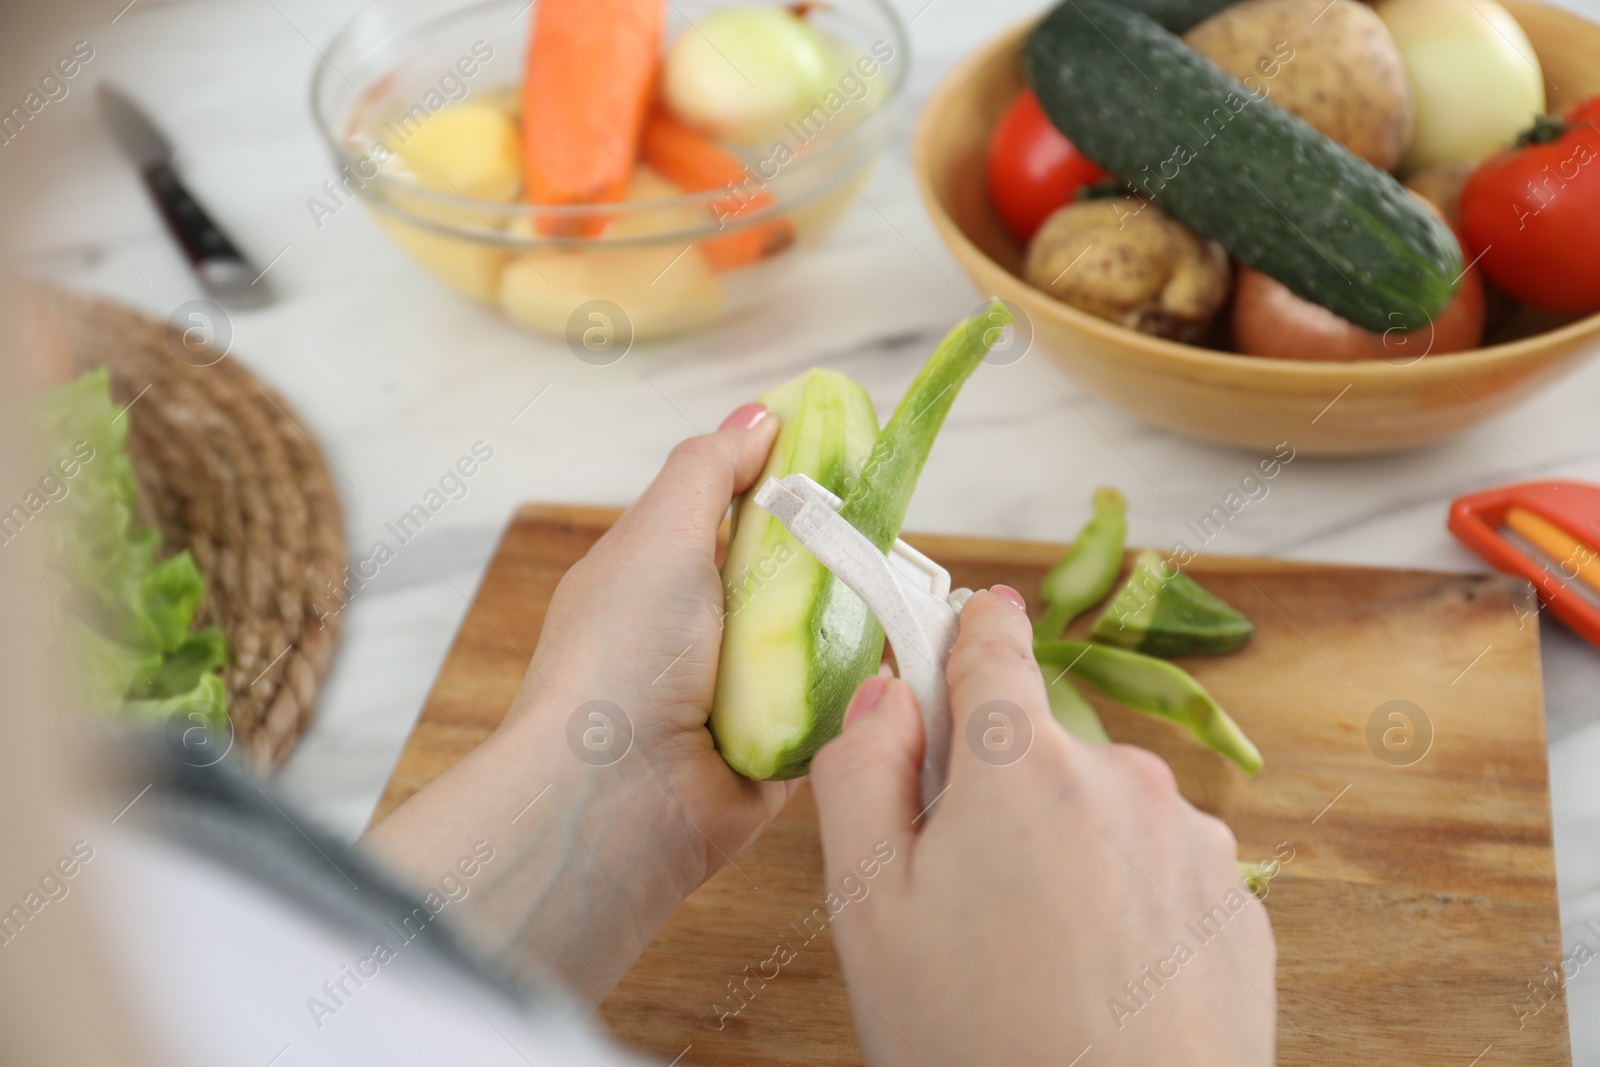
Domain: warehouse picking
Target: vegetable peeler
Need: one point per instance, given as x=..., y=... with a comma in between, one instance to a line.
x=908, y=593
x=1547, y=532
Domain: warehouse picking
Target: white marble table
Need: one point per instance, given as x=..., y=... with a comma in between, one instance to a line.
x=398, y=378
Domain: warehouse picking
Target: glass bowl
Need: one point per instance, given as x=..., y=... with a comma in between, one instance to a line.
x=600, y=274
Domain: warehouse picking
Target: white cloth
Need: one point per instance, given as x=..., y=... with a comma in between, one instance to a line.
x=223, y=970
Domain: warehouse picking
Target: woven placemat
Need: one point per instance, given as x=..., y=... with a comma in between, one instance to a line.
x=226, y=471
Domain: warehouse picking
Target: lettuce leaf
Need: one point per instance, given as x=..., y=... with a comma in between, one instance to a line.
x=129, y=615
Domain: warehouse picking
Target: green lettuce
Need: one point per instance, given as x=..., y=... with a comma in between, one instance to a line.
x=128, y=614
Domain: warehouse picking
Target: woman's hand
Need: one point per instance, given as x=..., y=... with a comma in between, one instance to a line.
x=634, y=808
x=638, y=623
x=1066, y=899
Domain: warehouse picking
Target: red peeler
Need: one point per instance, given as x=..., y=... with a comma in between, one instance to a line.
x=1556, y=546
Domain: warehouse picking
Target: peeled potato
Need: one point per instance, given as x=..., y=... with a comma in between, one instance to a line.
x=468, y=150
x=1332, y=64
x=472, y=148
x=663, y=288
x=646, y=184
x=471, y=268
x=660, y=297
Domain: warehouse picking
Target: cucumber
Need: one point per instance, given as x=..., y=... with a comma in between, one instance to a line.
x=1161, y=611
x=1179, y=16
x=796, y=642
x=1281, y=197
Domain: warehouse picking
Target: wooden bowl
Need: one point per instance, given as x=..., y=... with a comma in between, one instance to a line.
x=1319, y=408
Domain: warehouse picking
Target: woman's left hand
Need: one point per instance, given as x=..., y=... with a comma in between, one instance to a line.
x=602, y=795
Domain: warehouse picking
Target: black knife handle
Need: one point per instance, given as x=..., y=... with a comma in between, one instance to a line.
x=202, y=239
x=210, y=251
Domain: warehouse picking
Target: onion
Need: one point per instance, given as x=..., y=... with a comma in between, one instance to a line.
x=1475, y=80
x=741, y=73
x=1269, y=320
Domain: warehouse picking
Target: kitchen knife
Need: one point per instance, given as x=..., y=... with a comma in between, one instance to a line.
x=219, y=265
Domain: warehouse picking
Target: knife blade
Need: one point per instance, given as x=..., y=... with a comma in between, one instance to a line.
x=217, y=261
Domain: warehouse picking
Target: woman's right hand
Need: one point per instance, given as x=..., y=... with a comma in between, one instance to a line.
x=1067, y=900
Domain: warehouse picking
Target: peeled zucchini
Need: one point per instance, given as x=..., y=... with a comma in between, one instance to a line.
x=796, y=642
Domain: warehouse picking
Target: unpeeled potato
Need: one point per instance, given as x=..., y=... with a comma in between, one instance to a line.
x=1130, y=263
x=1332, y=64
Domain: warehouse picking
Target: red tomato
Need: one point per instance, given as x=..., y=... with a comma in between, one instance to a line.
x=1032, y=168
x=1532, y=212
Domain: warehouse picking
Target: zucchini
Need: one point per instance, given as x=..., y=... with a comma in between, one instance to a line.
x=796, y=642
x=1161, y=611
x=791, y=626
x=1076, y=715
x=1281, y=197
x=1157, y=688
x=1088, y=570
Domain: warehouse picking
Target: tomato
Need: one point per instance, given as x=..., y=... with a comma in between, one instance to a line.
x=1032, y=168
x=1532, y=212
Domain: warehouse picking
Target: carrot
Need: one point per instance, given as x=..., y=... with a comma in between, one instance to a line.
x=585, y=92
x=696, y=164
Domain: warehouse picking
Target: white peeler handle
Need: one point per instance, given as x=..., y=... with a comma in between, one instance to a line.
x=907, y=592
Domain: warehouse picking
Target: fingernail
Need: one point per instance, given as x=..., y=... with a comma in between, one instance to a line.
x=744, y=416
x=1005, y=592
x=867, y=697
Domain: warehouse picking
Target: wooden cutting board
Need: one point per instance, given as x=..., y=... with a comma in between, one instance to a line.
x=1413, y=922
